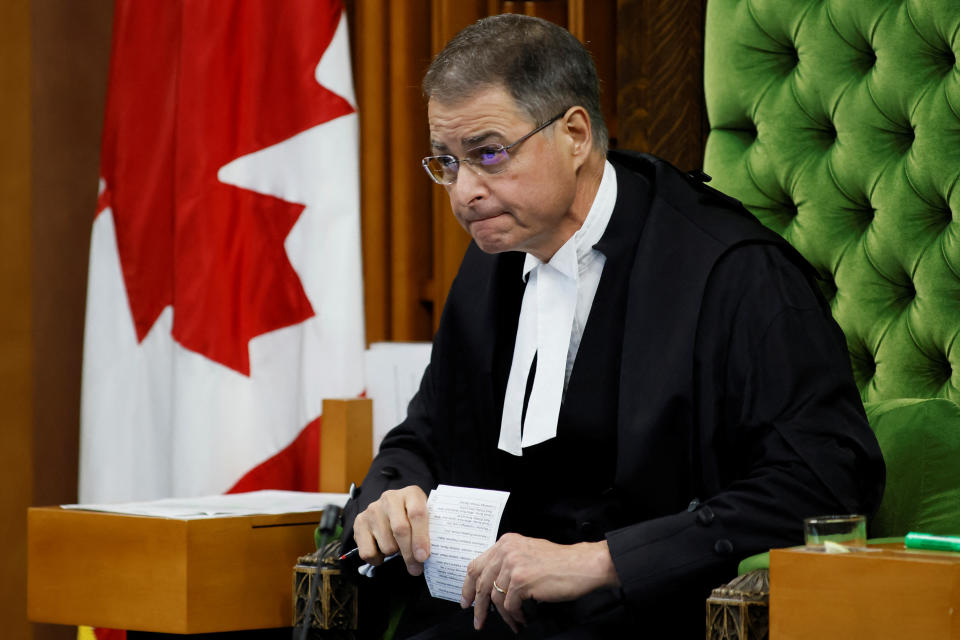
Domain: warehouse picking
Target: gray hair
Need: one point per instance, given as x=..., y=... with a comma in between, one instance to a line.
x=539, y=63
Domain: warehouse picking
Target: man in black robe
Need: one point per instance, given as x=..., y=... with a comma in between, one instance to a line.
x=651, y=374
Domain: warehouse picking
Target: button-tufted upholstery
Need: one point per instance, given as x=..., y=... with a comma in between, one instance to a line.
x=837, y=122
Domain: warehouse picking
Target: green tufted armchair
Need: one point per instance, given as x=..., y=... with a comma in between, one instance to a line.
x=837, y=123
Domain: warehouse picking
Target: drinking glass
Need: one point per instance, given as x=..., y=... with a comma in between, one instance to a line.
x=835, y=533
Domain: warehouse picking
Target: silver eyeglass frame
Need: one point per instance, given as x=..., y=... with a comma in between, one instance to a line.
x=479, y=168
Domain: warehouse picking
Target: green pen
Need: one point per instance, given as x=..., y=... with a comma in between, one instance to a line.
x=916, y=540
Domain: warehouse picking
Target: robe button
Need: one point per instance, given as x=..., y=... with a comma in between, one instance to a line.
x=705, y=516
x=389, y=472
x=723, y=547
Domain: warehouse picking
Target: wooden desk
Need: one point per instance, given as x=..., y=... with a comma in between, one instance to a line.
x=889, y=593
x=161, y=575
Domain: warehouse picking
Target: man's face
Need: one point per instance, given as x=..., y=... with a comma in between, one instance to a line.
x=527, y=207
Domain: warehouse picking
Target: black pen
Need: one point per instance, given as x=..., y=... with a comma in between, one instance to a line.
x=353, y=552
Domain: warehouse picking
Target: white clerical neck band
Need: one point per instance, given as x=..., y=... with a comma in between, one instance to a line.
x=544, y=329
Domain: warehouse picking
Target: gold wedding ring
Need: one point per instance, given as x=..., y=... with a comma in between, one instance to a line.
x=497, y=587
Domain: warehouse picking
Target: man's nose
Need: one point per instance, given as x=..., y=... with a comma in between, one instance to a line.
x=469, y=187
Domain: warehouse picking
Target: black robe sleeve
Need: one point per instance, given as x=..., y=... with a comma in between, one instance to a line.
x=782, y=434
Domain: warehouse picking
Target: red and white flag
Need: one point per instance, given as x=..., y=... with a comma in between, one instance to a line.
x=224, y=297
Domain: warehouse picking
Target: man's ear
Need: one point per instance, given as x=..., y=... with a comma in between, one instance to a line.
x=575, y=125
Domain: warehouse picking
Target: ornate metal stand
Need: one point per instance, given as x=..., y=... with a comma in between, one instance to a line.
x=739, y=609
x=334, y=612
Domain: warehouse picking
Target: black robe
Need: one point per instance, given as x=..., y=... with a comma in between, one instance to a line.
x=736, y=411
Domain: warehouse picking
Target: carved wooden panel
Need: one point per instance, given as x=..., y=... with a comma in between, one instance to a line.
x=409, y=54
x=391, y=50
x=370, y=34
x=660, y=78
x=16, y=381
x=594, y=23
x=552, y=10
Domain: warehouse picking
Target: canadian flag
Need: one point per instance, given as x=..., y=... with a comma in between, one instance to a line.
x=224, y=297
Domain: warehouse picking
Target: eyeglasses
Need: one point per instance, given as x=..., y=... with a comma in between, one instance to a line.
x=486, y=159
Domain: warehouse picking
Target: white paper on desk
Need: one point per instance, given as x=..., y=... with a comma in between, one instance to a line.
x=463, y=524
x=268, y=502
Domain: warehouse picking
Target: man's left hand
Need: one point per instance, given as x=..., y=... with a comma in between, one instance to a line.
x=525, y=568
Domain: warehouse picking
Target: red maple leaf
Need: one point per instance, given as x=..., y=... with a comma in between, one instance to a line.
x=193, y=85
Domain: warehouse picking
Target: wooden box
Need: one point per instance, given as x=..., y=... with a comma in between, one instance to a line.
x=163, y=575
x=886, y=593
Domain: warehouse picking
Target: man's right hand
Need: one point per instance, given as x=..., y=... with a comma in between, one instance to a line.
x=398, y=521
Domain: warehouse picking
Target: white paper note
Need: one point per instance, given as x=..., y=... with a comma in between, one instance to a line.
x=463, y=524
x=235, y=504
